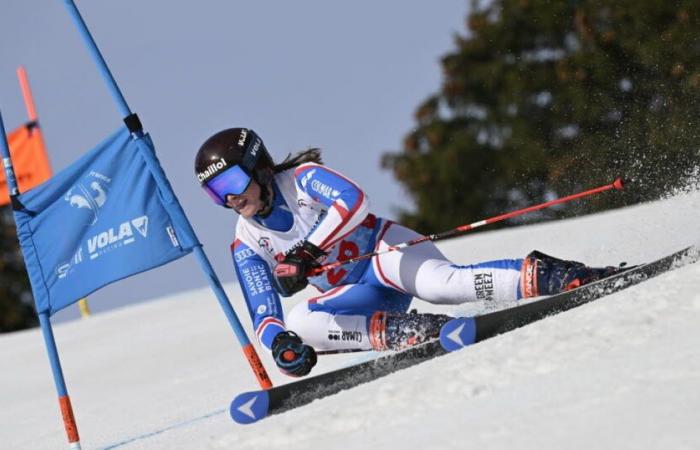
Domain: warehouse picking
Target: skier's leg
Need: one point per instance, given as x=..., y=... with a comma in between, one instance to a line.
x=424, y=272
x=339, y=319
x=362, y=317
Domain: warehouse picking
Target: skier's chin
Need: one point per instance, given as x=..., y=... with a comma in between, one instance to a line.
x=248, y=210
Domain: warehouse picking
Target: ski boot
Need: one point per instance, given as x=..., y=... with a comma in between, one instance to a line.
x=545, y=275
x=397, y=331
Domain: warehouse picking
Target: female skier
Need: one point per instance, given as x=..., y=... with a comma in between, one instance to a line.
x=296, y=215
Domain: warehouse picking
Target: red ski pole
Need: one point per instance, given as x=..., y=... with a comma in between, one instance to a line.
x=617, y=184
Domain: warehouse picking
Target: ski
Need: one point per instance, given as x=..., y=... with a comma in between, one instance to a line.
x=464, y=331
x=250, y=407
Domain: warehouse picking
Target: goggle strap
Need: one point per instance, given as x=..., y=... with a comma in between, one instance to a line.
x=250, y=159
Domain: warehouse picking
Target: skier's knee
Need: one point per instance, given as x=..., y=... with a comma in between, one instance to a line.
x=297, y=320
x=311, y=326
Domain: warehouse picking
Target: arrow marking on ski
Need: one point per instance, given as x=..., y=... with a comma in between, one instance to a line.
x=247, y=408
x=455, y=335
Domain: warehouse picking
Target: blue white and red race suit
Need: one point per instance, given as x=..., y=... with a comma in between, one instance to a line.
x=312, y=202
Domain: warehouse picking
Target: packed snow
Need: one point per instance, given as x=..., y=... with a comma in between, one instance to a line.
x=619, y=373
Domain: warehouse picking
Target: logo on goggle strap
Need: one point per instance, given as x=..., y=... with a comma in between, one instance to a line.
x=211, y=170
x=256, y=147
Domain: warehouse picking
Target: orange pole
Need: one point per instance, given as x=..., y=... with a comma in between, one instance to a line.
x=27, y=93
x=31, y=108
x=257, y=366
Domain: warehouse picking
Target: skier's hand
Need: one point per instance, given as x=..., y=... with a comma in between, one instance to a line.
x=292, y=356
x=291, y=272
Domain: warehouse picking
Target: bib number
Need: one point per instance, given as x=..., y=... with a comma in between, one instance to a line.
x=346, y=250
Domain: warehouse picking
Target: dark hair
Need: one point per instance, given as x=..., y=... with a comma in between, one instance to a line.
x=304, y=156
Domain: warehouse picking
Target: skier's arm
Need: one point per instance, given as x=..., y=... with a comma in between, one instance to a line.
x=263, y=302
x=291, y=355
x=347, y=204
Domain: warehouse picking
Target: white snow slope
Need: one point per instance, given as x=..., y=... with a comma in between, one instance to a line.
x=620, y=373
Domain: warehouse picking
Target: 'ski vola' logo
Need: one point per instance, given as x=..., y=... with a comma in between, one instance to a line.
x=91, y=196
x=106, y=241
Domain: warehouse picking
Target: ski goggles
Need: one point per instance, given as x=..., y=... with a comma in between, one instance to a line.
x=233, y=181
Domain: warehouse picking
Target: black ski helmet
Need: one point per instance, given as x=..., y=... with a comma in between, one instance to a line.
x=238, y=152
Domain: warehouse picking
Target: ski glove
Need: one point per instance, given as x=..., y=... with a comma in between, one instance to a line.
x=291, y=272
x=291, y=355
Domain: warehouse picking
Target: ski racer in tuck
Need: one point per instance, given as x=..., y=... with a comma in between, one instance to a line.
x=299, y=214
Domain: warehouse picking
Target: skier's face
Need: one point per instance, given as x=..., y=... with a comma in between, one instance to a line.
x=248, y=203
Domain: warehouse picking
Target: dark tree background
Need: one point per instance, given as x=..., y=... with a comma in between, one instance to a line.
x=16, y=301
x=543, y=98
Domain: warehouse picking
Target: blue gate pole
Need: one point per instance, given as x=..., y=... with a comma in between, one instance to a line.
x=97, y=57
x=63, y=398
x=248, y=349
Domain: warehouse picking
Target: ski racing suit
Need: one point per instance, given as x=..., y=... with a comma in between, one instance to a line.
x=312, y=202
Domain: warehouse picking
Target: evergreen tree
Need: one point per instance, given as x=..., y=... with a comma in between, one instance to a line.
x=16, y=301
x=543, y=98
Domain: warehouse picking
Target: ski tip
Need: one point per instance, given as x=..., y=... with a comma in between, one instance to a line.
x=458, y=333
x=249, y=407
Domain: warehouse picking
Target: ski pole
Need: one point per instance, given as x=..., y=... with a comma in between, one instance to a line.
x=618, y=184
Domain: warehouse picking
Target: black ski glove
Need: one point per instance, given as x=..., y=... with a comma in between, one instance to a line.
x=291, y=272
x=292, y=356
